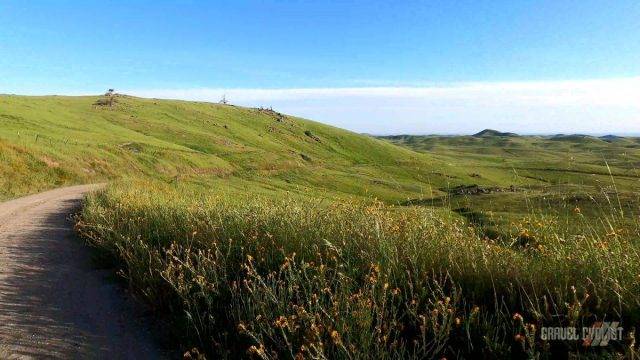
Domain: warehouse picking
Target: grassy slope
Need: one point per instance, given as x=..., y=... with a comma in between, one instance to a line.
x=53, y=141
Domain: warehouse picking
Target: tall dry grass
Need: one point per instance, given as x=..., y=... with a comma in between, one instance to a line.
x=298, y=278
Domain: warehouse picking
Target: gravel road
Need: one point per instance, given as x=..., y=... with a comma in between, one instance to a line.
x=54, y=303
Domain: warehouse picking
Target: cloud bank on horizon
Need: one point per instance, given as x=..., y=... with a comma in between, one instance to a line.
x=600, y=106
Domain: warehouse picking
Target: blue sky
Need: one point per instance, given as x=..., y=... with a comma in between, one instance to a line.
x=378, y=67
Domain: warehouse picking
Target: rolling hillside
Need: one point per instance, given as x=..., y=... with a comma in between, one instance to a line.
x=51, y=141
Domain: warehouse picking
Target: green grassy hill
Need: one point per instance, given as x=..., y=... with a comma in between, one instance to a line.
x=54, y=140
x=253, y=233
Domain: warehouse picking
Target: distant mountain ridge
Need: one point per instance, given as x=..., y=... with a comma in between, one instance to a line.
x=496, y=133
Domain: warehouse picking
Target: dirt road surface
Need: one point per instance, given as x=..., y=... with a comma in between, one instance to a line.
x=53, y=302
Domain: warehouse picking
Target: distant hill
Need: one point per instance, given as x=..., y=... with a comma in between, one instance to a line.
x=490, y=133
x=611, y=138
x=538, y=160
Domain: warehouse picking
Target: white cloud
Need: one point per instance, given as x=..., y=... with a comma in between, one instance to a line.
x=586, y=106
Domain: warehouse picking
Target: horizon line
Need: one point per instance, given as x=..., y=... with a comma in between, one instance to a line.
x=538, y=107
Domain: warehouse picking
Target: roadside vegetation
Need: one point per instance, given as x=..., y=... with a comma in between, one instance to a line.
x=255, y=234
x=301, y=278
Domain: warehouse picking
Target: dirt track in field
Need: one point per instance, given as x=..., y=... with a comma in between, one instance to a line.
x=54, y=303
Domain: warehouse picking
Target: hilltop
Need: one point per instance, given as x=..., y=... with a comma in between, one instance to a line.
x=611, y=138
x=490, y=132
